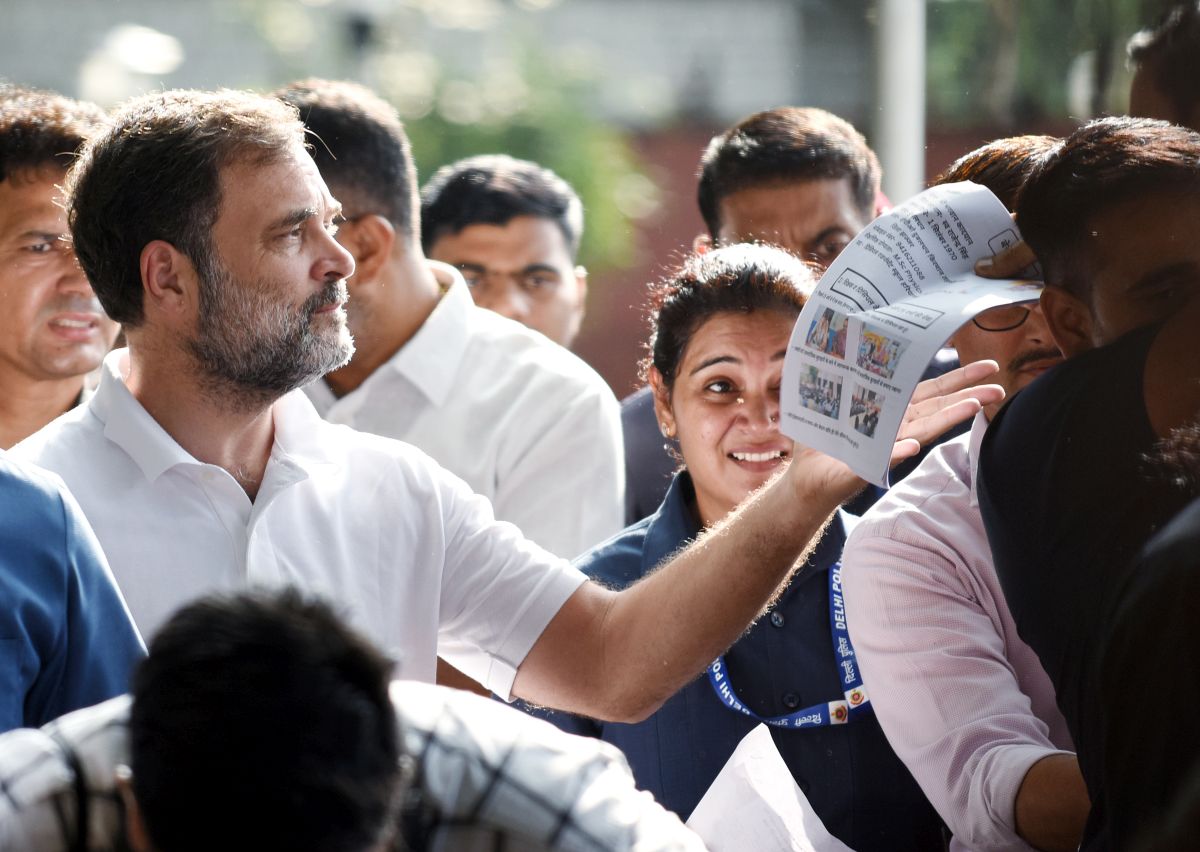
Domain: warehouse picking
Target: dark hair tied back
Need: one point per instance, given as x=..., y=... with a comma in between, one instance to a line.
x=736, y=279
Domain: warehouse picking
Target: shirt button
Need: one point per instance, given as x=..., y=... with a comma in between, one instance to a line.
x=791, y=700
x=777, y=619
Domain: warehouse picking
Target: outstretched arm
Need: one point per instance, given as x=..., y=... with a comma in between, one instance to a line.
x=619, y=655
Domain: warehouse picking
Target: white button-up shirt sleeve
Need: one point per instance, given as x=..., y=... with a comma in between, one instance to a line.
x=499, y=590
x=962, y=700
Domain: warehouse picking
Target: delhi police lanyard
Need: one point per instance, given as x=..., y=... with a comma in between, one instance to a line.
x=838, y=712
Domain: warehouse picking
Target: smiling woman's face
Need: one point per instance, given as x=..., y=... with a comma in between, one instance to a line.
x=724, y=406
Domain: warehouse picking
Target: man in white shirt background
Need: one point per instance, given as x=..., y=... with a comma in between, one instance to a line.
x=963, y=701
x=52, y=330
x=201, y=467
x=521, y=420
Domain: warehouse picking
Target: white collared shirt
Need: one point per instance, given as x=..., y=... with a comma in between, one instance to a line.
x=405, y=550
x=519, y=418
x=963, y=701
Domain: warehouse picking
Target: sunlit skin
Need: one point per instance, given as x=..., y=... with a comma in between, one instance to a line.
x=724, y=406
x=1142, y=266
x=522, y=270
x=52, y=329
x=1023, y=353
x=812, y=219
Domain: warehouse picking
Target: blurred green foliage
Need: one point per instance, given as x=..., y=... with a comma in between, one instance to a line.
x=553, y=125
x=1012, y=62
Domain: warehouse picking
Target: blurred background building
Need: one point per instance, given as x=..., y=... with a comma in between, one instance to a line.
x=618, y=96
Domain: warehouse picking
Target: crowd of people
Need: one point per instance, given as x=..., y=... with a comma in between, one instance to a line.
x=342, y=470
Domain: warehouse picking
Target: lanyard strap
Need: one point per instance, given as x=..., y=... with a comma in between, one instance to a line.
x=838, y=712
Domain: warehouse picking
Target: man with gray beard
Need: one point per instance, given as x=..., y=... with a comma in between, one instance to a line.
x=207, y=230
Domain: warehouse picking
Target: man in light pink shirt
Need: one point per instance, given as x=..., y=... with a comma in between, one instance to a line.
x=963, y=701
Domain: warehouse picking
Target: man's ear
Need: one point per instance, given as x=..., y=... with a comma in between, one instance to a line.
x=370, y=239
x=1069, y=320
x=662, y=404
x=702, y=244
x=135, y=824
x=170, y=283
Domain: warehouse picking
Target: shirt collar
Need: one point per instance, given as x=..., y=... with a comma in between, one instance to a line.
x=431, y=358
x=977, y=429
x=672, y=524
x=128, y=425
x=300, y=433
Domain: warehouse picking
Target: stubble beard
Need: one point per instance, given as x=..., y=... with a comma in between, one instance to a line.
x=252, y=348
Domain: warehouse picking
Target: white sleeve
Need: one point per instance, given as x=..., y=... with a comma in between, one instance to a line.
x=564, y=484
x=499, y=589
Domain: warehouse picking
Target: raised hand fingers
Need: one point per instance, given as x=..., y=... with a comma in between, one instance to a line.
x=947, y=383
x=1009, y=263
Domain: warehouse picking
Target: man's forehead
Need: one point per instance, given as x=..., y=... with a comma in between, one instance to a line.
x=33, y=200
x=521, y=240
x=819, y=202
x=290, y=175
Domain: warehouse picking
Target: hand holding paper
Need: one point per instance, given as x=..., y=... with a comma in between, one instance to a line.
x=937, y=405
x=880, y=312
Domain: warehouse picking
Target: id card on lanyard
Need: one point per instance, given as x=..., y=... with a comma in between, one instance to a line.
x=837, y=712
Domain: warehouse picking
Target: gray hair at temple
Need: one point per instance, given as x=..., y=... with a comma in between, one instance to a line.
x=154, y=174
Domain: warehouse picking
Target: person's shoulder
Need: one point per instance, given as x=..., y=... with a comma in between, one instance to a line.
x=70, y=439
x=529, y=356
x=641, y=400
x=1072, y=387
x=29, y=492
x=938, y=480
x=617, y=561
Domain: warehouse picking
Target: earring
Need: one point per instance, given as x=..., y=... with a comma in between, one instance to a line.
x=667, y=431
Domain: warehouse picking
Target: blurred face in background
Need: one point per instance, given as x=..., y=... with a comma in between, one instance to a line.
x=522, y=270
x=812, y=219
x=51, y=325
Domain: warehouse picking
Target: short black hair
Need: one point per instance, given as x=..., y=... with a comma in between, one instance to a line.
x=40, y=128
x=1002, y=165
x=494, y=189
x=260, y=721
x=1170, y=52
x=1106, y=162
x=360, y=148
x=154, y=174
x=785, y=145
x=741, y=278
